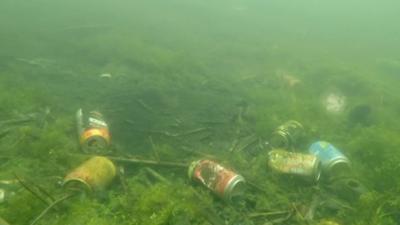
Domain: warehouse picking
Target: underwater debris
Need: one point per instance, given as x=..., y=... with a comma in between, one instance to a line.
x=35, y=190
x=93, y=132
x=105, y=75
x=221, y=181
x=148, y=162
x=92, y=175
x=17, y=121
x=303, y=165
x=95, y=174
x=287, y=135
x=334, y=162
x=334, y=103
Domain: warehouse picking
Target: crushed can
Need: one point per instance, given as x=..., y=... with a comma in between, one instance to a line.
x=92, y=175
x=221, y=181
x=307, y=166
x=287, y=135
x=334, y=162
x=93, y=132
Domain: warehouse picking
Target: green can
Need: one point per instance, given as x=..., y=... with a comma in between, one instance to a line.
x=287, y=135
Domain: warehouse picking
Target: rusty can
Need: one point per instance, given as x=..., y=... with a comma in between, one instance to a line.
x=94, y=135
x=305, y=165
x=333, y=161
x=287, y=135
x=92, y=175
x=220, y=180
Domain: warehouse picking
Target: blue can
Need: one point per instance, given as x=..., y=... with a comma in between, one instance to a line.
x=333, y=161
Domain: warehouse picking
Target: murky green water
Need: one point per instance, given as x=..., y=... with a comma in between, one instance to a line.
x=183, y=80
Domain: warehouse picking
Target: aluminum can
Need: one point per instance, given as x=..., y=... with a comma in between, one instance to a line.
x=93, y=132
x=92, y=175
x=287, y=135
x=305, y=165
x=332, y=159
x=220, y=180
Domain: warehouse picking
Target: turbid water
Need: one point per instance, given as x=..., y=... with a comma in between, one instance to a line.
x=182, y=80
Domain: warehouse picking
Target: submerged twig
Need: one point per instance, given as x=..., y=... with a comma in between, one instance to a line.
x=309, y=215
x=144, y=105
x=121, y=176
x=234, y=145
x=186, y=133
x=266, y=214
x=17, y=121
x=154, y=149
x=156, y=175
x=43, y=213
x=148, y=162
x=190, y=132
x=252, y=139
x=186, y=149
x=30, y=190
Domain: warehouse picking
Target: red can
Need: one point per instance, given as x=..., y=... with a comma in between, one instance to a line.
x=220, y=180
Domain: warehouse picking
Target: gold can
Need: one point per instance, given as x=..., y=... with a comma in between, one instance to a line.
x=94, y=174
x=303, y=165
x=93, y=132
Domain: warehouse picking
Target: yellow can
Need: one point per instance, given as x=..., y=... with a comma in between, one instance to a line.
x=94, y=174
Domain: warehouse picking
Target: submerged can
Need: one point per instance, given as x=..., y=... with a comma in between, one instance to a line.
x=333, y=161
x=93, y=132
x=287, y=135
x=220, y=180
x=92, y=175
x=305, y=165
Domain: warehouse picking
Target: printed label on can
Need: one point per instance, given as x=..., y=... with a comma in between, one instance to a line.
x=325, y=151
x=93, y=122
x=293, y=163
x=103, y=133
x=213, y=176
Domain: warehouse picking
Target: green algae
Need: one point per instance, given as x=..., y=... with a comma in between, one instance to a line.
x=163, y=87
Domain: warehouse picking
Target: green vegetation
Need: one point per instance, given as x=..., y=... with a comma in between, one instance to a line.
x=180, y=91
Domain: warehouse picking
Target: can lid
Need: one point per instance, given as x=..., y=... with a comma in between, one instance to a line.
x=339, y=167
x=95, y=140
x=295, y=123
x=233, y=188
x=280, y=139
x=77, y=184
x=192, y=167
